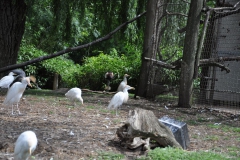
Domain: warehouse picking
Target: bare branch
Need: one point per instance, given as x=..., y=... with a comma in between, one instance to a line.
x=161, y=63
x=180, y=14
x=203, y=62
x=223, y=67
x=201, y=45
x=39, y=59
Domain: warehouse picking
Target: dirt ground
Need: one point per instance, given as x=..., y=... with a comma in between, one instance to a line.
x=82, y=132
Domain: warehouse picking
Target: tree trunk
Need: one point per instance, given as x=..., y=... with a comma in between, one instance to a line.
x=189, y=54
x=12, y=18
x=143, y=124
x=150, y=46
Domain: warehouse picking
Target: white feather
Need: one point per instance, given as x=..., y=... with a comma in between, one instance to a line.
x=15, y=93
x=75, y=94
x=119, y=98
x=7, y=80
x=25, y=145
x=123, y=84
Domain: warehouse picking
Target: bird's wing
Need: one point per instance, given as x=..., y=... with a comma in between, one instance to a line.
x=14, y=93
x=6, y=81
x=121, y=86
x=117, y=100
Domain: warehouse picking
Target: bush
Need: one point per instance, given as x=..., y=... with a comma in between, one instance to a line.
x=45, y=70
x=94, y=69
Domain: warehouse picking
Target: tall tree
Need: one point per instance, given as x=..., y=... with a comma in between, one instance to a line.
x=150, y=46
x=189, y=53
x=12, y=18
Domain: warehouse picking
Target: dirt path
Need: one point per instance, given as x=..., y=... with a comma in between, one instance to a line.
x=81, y=132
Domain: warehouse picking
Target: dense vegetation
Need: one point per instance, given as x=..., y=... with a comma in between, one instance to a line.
x=53, y=25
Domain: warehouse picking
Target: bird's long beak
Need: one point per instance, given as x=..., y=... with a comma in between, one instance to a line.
x=132, y=88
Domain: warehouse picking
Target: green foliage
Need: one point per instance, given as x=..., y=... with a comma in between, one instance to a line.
x=169, y=153
x=94, y=69
x=170, y=54
x=60, y=65
x=110, y=156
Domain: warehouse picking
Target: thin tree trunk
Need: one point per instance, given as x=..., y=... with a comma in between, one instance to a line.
x=189, y=53
x=12, y=18
x=150, y=47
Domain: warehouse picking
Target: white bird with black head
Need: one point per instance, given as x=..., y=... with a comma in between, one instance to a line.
x=119, y=98
x=25, y=145
x=15, y=93
x=75, y=94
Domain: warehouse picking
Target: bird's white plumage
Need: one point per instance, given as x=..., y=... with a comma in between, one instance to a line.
x=75, y=94
x=25, y=145
x=7, y=80
x=15, y=93
x=119, y=98
x=123, y=84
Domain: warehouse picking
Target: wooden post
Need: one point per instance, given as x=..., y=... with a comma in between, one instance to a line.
x=55, y=81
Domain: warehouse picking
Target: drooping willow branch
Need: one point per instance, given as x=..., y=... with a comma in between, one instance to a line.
x=71, y=49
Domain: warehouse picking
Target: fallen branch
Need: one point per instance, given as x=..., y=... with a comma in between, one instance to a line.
x=101, y=92
x=39, y=59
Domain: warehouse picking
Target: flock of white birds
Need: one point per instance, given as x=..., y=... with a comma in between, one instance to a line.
x=16, y=83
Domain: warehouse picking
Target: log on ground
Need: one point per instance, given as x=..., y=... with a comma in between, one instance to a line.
x=142, y=128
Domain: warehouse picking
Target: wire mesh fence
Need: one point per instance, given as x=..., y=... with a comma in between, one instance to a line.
x=218, y=84
x=219, y=81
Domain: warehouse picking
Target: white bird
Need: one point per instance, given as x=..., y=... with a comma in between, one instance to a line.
x=74, y=94
x=7, y=80
x=25, y=145
x=123, y=83
x=15, y=93
x=119, y=98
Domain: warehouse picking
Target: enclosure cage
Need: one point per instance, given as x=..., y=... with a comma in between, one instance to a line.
x=219, y=81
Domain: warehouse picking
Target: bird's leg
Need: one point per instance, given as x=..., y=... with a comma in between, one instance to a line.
x=12, y=109
x=116, y=112
x=18, y=109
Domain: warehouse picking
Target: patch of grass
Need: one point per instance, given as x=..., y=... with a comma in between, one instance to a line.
x=234, y=151
x=168, y=97
x=214, y=126
x=179, y=154
x=211, y=138
x=201, y=119
x=90, y=107
x=192, y=122
x=68, y=106
x=110, y=156
x=103, y=110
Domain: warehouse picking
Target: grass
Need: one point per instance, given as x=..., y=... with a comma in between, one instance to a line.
x=110, y=156
x=178, y=154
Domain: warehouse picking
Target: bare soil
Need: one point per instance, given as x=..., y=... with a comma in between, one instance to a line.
x=76, y=132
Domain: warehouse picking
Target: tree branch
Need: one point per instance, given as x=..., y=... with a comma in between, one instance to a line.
x=203, y=62
x=39, y=59
x=199, y=51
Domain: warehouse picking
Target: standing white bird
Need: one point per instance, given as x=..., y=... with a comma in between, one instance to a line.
x=120, y=98
x=123, y=83
x=74, y=94
x=15, y=93
x=25, y=145
x=7, y=80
